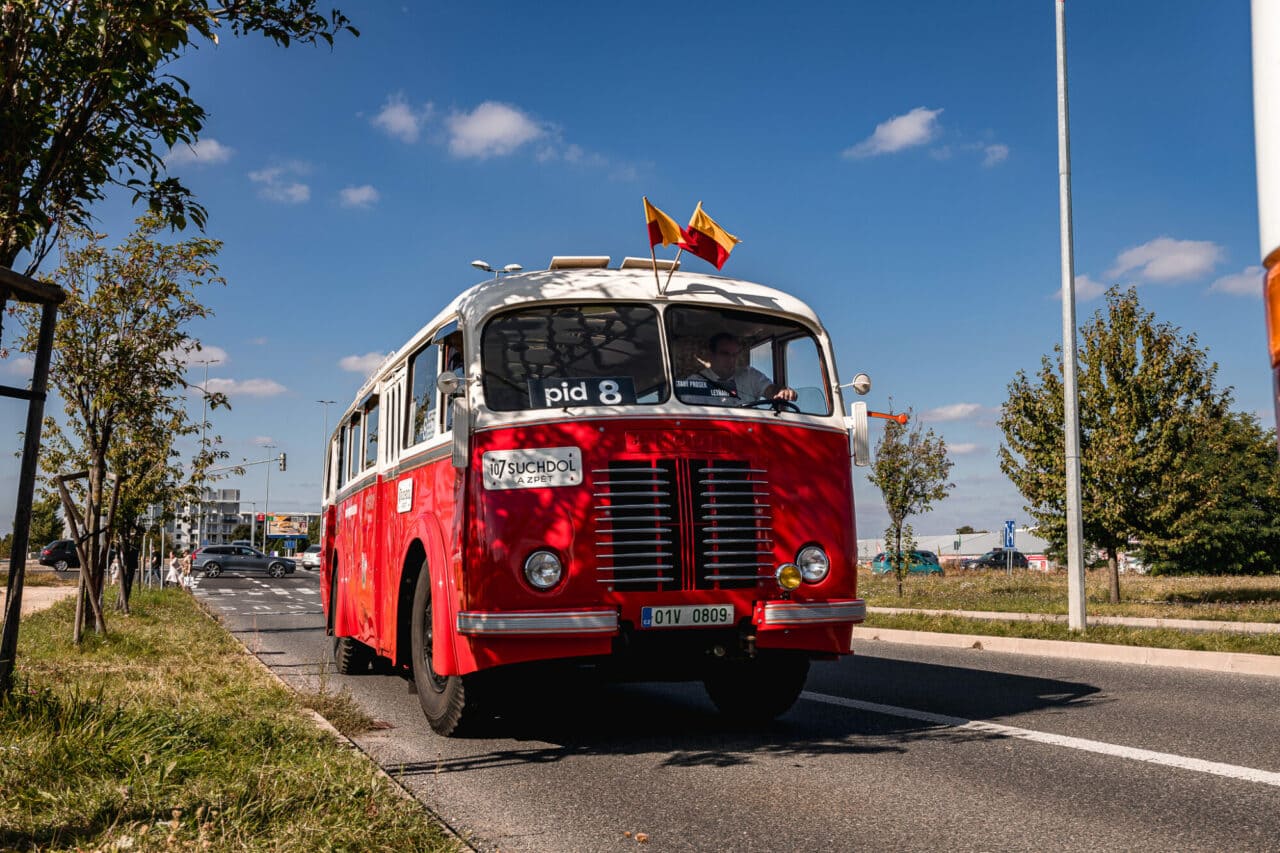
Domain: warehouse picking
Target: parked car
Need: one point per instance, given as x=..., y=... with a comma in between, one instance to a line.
x=921, y=562
x=997, y=559
x=60, y=554
x=216, y=559
x=310, y=558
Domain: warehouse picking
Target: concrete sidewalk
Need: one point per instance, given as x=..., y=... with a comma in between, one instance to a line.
x=1128, y=621
x=39, y=597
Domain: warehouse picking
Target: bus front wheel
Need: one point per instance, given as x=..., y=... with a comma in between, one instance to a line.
x=446, y=699
x=757, y=690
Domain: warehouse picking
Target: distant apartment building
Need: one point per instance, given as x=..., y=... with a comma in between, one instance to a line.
x=214, y=520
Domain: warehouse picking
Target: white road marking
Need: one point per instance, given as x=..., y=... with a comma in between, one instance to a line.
x=1230, y=771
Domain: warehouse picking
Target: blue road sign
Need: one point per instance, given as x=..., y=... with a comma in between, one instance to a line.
x=1008, y=533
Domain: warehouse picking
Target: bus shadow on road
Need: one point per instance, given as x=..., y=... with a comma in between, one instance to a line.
x=572, y=718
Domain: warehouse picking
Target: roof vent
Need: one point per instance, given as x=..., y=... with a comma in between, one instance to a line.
x=648, y=264
x=579, y=262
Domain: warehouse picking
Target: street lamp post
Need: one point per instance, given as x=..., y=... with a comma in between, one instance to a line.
x=266, y=503
x=204, y=417
x=507, y=270
x=324, y=438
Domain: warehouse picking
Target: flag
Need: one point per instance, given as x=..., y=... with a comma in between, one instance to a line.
x=708, y=240
x=662, y=228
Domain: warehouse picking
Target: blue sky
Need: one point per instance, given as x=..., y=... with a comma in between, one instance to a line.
x=893, y=164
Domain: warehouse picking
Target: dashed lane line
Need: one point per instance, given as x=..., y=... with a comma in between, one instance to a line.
x=1165, y=759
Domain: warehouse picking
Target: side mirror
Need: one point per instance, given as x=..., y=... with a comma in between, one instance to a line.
x=861, y=383
x=449, y=383
x=859, y=437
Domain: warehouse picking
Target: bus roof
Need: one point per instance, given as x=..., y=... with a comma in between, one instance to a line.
x=474, y=305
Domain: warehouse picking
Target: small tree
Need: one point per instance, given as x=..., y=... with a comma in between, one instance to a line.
x=46, y=523
x=84, y=103
x=1146, y=391
x=911, y=471
x=119, y=361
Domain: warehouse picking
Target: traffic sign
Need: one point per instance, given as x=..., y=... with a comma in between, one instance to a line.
x=1008, y=533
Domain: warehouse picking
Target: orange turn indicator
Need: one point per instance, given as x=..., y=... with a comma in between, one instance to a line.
x=900, y=418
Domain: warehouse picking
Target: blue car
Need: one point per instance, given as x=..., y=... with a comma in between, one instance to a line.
x=922, y=562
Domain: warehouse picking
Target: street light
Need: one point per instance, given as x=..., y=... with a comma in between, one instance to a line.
x=324, y=438
x=266, y=503
x=204, y=417
x=507, y=270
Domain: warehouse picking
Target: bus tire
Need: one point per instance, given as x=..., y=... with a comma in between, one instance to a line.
x=758, y=690
x=445, y=699
x=351, y=657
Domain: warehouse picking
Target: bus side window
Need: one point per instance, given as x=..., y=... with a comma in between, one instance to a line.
x=337, y=473
x=353, y=447
x=370, y=434
x=453, y=363
x=424, y=367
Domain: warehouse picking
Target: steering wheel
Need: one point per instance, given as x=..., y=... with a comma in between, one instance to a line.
x=775, y=404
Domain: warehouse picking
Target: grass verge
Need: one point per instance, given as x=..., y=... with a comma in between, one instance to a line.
x=165, y=735
x=1160, y=638
x=1230, y=599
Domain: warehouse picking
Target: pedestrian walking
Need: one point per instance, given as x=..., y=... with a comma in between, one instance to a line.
x=186, y=571
x=171, y=578
x=153, y=569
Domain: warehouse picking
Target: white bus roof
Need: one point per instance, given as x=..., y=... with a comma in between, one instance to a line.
x=474, y=305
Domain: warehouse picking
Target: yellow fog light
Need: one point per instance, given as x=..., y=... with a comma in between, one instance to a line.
x=789, y=576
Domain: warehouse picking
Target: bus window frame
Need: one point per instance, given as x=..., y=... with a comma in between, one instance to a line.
x=441, y=435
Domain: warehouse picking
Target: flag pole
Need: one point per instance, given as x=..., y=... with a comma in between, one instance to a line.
x=671, y=271
x=656, y=281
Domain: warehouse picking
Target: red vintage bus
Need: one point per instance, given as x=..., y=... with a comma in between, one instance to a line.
x=568, y=465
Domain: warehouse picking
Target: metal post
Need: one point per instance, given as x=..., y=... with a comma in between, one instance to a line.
x=266, y=504
x=1075, y=534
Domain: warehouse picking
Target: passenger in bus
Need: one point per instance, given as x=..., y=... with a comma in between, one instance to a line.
x=728, y=384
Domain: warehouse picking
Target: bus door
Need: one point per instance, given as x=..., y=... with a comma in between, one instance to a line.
x=388, y=523
x=366, y=533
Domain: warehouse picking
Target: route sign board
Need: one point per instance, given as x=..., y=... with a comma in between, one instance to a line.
x=1008, y=533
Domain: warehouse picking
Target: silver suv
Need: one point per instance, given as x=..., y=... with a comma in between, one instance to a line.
x=310, y=558
x=217, y=559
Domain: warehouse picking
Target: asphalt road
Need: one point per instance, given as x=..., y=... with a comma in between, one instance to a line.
x=896, y=748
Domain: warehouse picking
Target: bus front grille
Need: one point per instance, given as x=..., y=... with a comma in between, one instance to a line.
x=682, y=524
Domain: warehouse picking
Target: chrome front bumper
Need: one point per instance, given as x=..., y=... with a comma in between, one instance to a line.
x=562, y=622
x=802, y=613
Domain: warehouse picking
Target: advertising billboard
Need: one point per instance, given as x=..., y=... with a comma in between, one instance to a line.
x=286, y=526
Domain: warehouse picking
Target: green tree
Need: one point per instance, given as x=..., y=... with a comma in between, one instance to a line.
x=910, y=470
x=86, y=103
x=46, y=523
x=241, y=531
x=119, y=360
x=965, y=529
x=1146, y=391
x=313, y=531
x=1235, y=527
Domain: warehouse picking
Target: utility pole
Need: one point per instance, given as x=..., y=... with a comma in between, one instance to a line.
x=204, y=417
x=266, y=503
x=1075, y=526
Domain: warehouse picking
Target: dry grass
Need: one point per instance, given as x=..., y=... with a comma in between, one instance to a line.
x=1232, y=599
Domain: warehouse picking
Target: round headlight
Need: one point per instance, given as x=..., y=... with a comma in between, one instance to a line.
x=813, y=563
x=788, y=576
x=543, y=570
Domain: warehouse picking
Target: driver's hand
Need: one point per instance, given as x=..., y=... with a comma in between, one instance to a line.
x=787, y=394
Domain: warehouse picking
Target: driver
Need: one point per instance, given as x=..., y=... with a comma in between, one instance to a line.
x=730, y=384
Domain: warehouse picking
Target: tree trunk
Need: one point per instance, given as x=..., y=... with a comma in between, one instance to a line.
x=1113, y=566
x=896, y=559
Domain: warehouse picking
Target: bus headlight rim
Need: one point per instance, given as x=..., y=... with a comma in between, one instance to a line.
x=543, y=569
x=814, y=563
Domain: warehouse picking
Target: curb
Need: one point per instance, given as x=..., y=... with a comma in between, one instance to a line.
x=1233, y=662
x=1130, y=621
x=328, y=728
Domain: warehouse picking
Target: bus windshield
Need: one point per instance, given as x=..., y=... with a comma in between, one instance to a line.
x=722, y=357
x=553, y=356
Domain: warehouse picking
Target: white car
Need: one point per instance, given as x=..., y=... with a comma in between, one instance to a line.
x=310, y=558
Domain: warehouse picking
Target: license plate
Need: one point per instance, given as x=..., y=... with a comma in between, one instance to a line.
x=688, y=616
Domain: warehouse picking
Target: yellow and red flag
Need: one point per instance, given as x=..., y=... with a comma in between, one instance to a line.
x=708, y=240
x=662, y=228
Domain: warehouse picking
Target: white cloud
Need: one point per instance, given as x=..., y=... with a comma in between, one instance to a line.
x=206, y=152
x=1086, y=289
x=964, y=448
x=362, y=196
x=22, y=366
x=261, y=440
x=258, y=342
x=1247, y=282
x=491, y=129
x=362, y=364
x=207, y=352
x=905, y=131
x=1165, y=259
x=278, y=183
x=247, y=387
x=994, y=154
x=398, y=119
x=953, y=412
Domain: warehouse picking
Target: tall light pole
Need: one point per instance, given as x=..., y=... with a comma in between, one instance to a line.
x=1075, y=533
x=507, y=270
x=324, y=438
x=204, y=417
x=266, y=503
